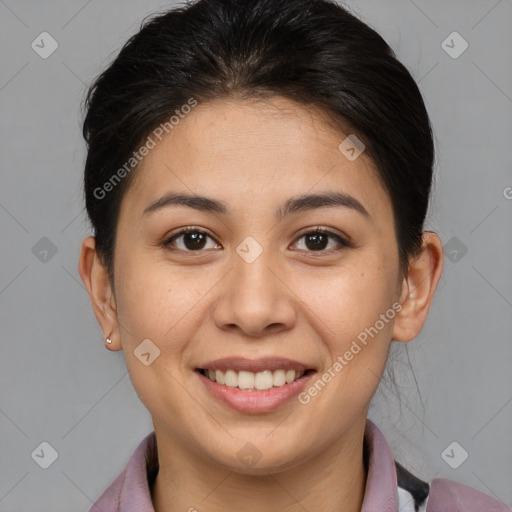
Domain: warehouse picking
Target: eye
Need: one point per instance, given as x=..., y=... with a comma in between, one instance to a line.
x=318, y=239
x=194, y=240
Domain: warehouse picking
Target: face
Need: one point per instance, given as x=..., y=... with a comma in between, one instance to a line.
x=260, y=289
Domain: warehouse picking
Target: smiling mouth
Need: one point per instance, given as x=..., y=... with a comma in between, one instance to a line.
x=254, y=381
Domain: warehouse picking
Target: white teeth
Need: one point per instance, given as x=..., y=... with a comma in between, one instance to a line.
x=264, y=380
x=254, y=381
x=245, y=380
x=219, y=377
x=231, y=379
x=290, y=376
x=279, y=378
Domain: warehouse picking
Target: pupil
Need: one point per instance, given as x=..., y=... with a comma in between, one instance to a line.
x=316, y=244
x=195, y=237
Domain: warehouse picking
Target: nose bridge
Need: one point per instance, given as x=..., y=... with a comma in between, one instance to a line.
x=254, y=267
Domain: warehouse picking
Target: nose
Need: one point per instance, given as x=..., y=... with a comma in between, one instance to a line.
x=255, y=297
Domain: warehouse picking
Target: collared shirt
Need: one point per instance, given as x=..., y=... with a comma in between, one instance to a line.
x=389, y=486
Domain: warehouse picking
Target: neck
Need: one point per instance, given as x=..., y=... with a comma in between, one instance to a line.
x=333, y=480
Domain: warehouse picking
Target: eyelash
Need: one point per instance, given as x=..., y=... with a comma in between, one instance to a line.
x=166, y=244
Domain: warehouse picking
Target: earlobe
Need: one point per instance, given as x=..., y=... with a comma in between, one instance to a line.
x=418, y=288
x=95, y=278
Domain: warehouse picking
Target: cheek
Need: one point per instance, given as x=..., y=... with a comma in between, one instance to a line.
x=158, y=301
x=348, y=308
x=152, y=303
x=146, y=302
x=350, y=298
x=354, y=316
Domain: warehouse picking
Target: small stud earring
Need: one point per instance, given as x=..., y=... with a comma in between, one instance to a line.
x=109, y=340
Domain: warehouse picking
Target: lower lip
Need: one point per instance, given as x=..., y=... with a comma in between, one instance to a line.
x=255, y=402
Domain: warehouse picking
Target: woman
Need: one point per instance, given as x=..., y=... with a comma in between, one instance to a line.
x=257, y=178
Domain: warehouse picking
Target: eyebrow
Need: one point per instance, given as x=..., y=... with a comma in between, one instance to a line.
x=293, y=205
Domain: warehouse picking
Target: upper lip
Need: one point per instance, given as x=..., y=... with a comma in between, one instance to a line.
x=254, y=365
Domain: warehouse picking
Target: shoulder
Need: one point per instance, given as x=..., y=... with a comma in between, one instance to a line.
x=443, y=495
x=131, y=489
x=446, y=494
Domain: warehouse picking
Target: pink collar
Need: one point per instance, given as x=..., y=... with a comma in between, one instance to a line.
x=381, y=492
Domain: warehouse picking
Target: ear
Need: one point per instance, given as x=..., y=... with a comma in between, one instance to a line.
x=418, y=288
x=95, y=278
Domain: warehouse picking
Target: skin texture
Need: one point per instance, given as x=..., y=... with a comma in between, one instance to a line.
x=292, y=301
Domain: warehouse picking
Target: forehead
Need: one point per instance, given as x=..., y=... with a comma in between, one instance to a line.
x=253, y=153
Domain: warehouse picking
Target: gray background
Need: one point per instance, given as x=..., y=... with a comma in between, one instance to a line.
x=60, y=385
